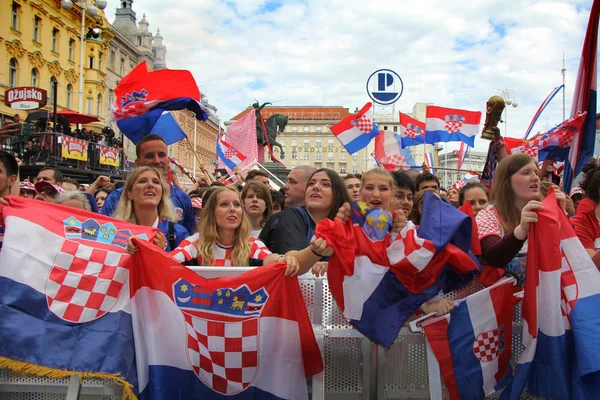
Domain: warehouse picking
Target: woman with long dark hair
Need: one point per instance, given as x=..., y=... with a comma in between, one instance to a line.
x=586, y=223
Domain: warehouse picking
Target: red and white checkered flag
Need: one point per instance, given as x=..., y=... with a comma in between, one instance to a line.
x=242, y=135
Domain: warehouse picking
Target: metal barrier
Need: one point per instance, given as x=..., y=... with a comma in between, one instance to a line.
x=354, y=367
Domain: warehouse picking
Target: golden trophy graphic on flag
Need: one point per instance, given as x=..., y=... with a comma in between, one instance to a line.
x=493, y=114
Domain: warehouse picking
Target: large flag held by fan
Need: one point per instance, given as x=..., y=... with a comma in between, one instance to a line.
x=142, y=96
x=242, y=337
x=378, y=280
x=389, y=154
x=584, y=99
x=356, y=131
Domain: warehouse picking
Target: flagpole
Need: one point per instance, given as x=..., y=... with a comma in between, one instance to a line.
x=195, y=143
x=270, y=173
x=563, y=71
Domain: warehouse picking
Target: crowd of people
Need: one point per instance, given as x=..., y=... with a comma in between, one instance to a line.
x=247, y=223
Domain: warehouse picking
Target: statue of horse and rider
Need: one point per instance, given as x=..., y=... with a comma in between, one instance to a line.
x=275, y=124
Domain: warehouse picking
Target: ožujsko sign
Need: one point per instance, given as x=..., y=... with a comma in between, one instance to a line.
x=25, y=98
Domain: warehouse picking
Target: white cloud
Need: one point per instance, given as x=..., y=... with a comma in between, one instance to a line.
x=453, y=53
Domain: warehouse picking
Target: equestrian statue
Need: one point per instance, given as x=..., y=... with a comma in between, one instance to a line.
x=274, y=124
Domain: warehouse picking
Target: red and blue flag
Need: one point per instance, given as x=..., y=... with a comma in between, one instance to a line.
x=356, y=131
x=412, y=131
x=451, y=125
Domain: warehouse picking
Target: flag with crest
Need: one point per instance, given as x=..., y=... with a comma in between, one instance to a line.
x=356, y=131
x=412, y=131
x=451, y=125
x=64, y=304
x=229, y=156
x=247, y=336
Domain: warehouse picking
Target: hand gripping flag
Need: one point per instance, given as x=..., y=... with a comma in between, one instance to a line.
x=241, y=135
x=356, y=131
x=412, y=131
x=229, y=156
x=242, y=337
x=389, y=153
x=473, y=344
x=585, y=99
x=451, y=125
x=142, y=96
x=561, y=325
x=64, y=293
x=379, y=279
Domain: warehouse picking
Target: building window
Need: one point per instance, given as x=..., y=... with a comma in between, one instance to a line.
x=355, y=169
x=319, y=143
x=329, y=156
x=55, y=40
x=331, y=165
x=90, y=105
x=342, y=168
x=12, y=72
x=71, y=48
x=306, y=129
x=342, y=155
x=91, y=62
x=294, y=142
x=122, y=68
x=385, y=127
x=37, y=21
x=306, y=155
x=306, y=143
x=34, y=77
x=318, y=165
x=111, y=95
x=329, y=142
x=100, y=55
x=51, y=91
x=139, y=40
x=14, y=21
x=294, y=129
x=319, y=129
x=395, y=128
x=294, y=155
x=112, y=60
x=319, y=155
x=99, y=105
x=69, y=95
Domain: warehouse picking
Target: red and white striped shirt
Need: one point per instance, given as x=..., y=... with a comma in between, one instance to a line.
x=221, y=254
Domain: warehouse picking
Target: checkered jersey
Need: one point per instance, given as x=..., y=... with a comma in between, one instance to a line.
x=188, y=250
x=489, y=223
x=223, y=355
x=85, y=282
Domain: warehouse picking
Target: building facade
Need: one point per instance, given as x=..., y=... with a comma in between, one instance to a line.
x=307, y=139
x=475, y=161
x=40, y=44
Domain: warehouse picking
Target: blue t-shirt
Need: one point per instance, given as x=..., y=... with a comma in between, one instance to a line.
x=181, y=201
x=179, y=231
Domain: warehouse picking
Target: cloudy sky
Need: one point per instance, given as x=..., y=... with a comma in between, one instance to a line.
x=320, y=52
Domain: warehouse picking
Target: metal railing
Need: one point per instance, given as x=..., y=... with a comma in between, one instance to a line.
x=354, y=367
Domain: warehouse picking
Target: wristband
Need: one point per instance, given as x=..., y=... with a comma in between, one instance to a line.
x=279, y=258
x=315, y=253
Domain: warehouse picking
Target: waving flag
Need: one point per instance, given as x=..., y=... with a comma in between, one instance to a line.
x=229, y=156
x=584, y=99
x=461, y=153
x=243, y=337
x=142, y=96
x=412, y=131
x=542, y=108
x=561, y=326
x=378, y=280
x=451, y=125
x=459, y=184
x=473, y=344
x=241, y=135
x=356, y=130
x=388, y=151
x=64, y=304
x=430, y=162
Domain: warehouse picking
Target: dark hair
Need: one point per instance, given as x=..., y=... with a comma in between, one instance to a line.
x=10, y=163
x=278, y=198
x=216, y=183
x=147, y=138
x=358, y=176
x=469, y=186
x=58, y=176
x=72, y=181
x=577, y=196
x=340, y=194
x=194, y=193
x=591, y=181
x=256, y=172
x=350, y=176
x=403, y=181
x=426, y=176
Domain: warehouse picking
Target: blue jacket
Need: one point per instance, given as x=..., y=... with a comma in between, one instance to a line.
x=180, y=233
x=182, y=202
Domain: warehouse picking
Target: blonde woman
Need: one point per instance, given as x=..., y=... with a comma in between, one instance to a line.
x=146, y=201
x=223, y=238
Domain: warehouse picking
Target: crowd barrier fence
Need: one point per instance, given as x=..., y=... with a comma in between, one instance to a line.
x=355, y=368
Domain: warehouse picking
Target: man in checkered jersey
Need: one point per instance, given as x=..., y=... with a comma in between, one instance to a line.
x=9, y=172
x=152, y=151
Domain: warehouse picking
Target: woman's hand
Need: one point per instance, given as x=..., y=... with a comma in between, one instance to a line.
x=528, y=216
x=320, y=247
x=560, y=197
x=160, y=240
x=440, y=307
x=292, y=266
x=399, y=221
x=130, y=248
x=320, y=268
x=344, y=213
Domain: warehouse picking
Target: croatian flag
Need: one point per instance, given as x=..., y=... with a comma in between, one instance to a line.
x=388, y=151
x=412, y=131
x=561, y=325
x=430, y=162
x=584, y=99
x=379, y=279
x=246, y=337
x=473, y=344
x=142, y=96
x=356, y=131
x=461, y=153
x=228, y=155
x=451, y=125
x=64, y=292
x=459, y=184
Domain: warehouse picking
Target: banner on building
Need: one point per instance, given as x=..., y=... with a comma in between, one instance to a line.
x=75, y=149
x=109, y=156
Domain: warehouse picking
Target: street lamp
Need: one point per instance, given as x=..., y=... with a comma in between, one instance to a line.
x=92, y=9
x=509, y=96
